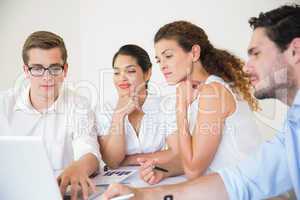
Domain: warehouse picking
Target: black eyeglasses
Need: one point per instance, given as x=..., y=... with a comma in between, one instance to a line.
x=39, y=70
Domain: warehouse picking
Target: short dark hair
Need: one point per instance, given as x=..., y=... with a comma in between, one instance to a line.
x=44, y=40
x=282, y=24
x=141, y=56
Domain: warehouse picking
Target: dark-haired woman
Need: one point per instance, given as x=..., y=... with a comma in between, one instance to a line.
x=137, y=128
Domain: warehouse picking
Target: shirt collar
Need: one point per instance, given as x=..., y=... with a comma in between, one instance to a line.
x=151, y=104
x=297, y=99
x=23, y=102
x=293, y=113
x=145, y=104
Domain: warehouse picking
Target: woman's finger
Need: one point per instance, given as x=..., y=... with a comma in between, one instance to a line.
x=148, y=176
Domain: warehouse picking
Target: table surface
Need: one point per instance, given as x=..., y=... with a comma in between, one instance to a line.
x=135, y=181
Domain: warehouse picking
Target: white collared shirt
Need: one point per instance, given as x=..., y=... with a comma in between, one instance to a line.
x=67, y=126
x=158, y=122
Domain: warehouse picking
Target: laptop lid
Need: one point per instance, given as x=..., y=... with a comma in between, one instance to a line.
x=25, y=171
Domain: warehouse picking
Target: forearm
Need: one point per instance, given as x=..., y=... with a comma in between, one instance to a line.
x=113, y=147
x=162, y=157
x=185, y=140
x=192, y=165
x=208, y=187
x=131, y=160
x=89, y=163
x=174, y=167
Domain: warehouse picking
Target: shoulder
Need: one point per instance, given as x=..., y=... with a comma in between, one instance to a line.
x=7, y=94
x=216, y=85
x=75, y=100
x=216, y=97
x=212, y=90
x=7, y=99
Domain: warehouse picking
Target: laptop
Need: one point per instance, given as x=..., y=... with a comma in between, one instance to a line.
x=25, y=171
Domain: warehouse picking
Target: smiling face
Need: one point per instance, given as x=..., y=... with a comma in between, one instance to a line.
x=128, y=75
x=269, y=71
x=46, y=86
x=175, y=63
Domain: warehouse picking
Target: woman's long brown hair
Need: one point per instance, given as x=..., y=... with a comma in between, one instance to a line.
x=215, y=61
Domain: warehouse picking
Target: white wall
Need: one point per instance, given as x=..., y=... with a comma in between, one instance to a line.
x=94, y=30
x=105, y=26
x=108, y=25
x=18, y=19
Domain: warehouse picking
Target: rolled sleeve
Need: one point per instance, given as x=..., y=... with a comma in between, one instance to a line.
x=263, y=175
x=84, y=134
x=85, y=145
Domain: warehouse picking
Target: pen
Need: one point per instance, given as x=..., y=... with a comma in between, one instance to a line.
x=160, y=169
x=123, y=197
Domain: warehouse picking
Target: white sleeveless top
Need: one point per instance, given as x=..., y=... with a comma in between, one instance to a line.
x=240, y=136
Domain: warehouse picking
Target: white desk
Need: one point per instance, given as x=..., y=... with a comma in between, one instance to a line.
x=135, y=181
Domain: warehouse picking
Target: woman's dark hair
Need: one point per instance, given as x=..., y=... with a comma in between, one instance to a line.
x=215, y=61
x=282, y=25
x=141, y=56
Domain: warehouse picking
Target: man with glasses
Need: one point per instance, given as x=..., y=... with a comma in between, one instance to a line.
x=274, y=69
x=48, y=109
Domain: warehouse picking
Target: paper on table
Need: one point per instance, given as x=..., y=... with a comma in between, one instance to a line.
x=114, y=176
x=135, y=181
